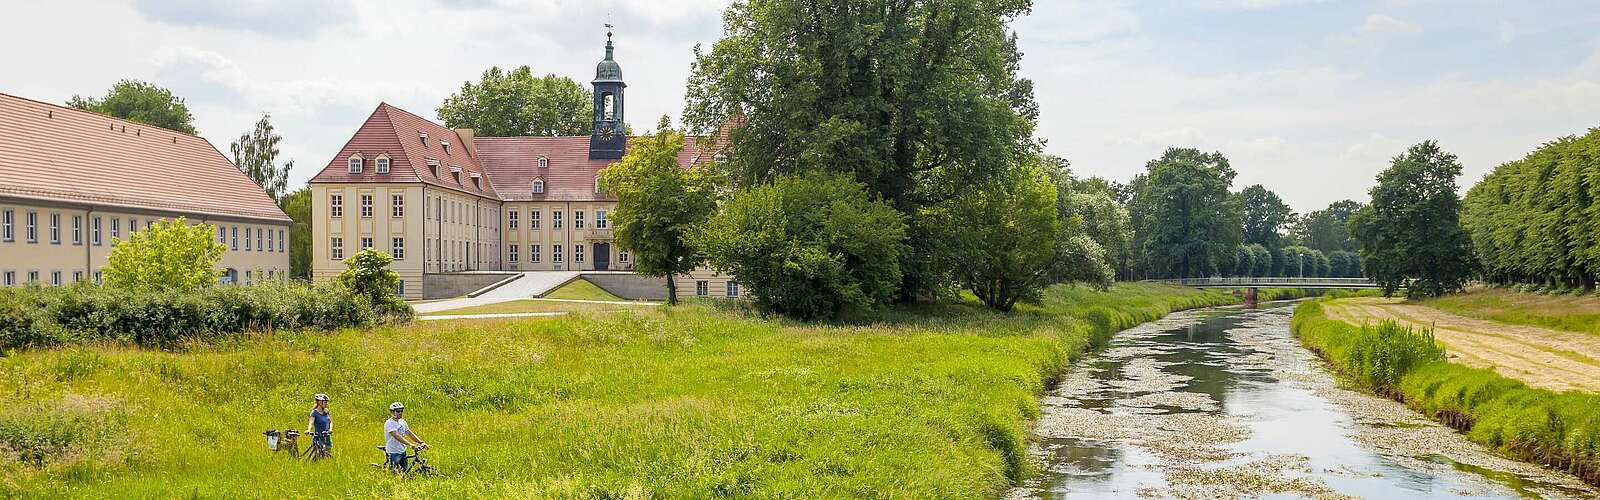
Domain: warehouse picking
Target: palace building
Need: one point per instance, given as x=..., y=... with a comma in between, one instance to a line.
x=73, y=183
x=443, y=200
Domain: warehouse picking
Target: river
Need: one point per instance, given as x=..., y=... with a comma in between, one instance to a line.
x=1225, y=403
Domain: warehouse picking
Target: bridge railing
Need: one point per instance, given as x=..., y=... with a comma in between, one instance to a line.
x=1266, y=282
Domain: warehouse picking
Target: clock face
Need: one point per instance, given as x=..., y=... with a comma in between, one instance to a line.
x=608, y=131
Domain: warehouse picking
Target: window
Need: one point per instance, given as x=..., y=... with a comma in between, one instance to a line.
x=222, y=235
x=33, y=276
x=733, y=290
x=538, y=186
x=77, y=229
x=336, y=205
x=599, y=219
x=423, y=136
x=511, y=219
x=555, y=253
x=270, y=246
x=596, y=183
x=336, y=249
x=147, y=223
x=11, y=278
x=366, y=242
x=258, y=239
x=94, y=234
x=397, y=249
x=383, y=164
x=544, y=162
x=400, y=289
x=97, y=276
x=133, y=226
x=33, y=227
x=555, y=219
x=433, y=168
x=55, y=278
x=399, y=202
x=249, y=277
x=282, y=241
x=55, y=229
x=355, y=165
x=577, y=219
x=577, y=254
x=511, y=254
x=77, y=276
x=702, y=288
x=235, y=233
x=533, y=253
x=533, y=219
x=445, y=145
x=366, y=206
x=7, y=233
x=622, y=256
x=116, y=229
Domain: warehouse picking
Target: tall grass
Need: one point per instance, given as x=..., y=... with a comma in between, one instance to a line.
x=1561, y=430
x=689, y=402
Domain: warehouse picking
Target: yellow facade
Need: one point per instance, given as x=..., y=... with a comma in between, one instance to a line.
x=61, y=243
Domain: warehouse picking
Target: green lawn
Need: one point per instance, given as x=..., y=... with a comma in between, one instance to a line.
x=1574, y=313
x=691, y=402
x=537, y=305
x=581, y=289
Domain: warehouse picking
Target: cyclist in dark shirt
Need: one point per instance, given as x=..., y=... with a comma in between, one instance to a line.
x=320, y=425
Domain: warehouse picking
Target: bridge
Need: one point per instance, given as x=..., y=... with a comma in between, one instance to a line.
x=1267, y=282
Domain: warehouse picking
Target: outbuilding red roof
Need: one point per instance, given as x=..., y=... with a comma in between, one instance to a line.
x=509, y=165
x=56, y=153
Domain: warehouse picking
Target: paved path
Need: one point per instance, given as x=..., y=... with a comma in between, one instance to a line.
x=531, y=284
x=489, y=316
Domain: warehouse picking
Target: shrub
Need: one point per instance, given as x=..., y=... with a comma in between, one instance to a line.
x=367, y=274
x=170, y=255
x=811, y=246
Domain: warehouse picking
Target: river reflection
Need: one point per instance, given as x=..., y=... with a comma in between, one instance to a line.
x=1224, y=403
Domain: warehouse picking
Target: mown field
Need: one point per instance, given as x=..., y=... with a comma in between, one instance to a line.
x=698, y=401
x=1573, y=313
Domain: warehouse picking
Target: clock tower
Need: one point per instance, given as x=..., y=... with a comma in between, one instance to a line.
x=608, y=140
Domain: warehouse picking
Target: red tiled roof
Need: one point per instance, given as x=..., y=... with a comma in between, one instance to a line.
x=56, y=153
x=398, y=133
x=512, y=163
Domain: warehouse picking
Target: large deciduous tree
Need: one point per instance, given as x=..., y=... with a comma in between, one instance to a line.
x=256, y=153
x=171, y=255
x=1536, y=220
x=1188, y=222
x=1328, y=229
x=1265, y=216
x=658, y=204
x=1411, y=234
x=918, y=101
x=1001, y=241
x=516, y=103
x=140, y=102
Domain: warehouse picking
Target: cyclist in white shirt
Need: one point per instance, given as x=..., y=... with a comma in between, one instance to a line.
x=397, y=435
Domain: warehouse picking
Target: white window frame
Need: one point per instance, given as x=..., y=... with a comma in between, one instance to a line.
x=511, y=254
x=577, y=219
x=336, y=205
x=533, y=219
x=544, y=162
x=55, y=228
x=397, y=248
x=94, y=233
x=366, y=205
x=555, y=254
x=533, y=253
x=600, y=219
x=538, y=186
x=381, y=164
x=283, y=241
x=7, y=219
x=366, y=242
x=336, y=248
x=235, y=232
x=270, y=246
x=77, y=229
x=702, y=288
x=555, y=219
x=354, y=164
x=622, y=257
x=397, y=203
x=33, y=226
x=577, y=254
x=732, y=289
x=511, y=219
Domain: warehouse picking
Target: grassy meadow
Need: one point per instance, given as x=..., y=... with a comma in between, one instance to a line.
x=698, y=401
x=582, y=289
x=1573, y=313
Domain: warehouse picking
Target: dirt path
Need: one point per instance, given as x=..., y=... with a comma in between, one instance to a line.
x=1541, y=357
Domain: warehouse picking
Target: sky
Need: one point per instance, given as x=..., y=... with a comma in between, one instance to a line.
x=1309, y=98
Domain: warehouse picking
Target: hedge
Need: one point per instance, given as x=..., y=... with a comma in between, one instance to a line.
x=36, y=316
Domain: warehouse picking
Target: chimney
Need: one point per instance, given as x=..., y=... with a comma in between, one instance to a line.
x=466, y=136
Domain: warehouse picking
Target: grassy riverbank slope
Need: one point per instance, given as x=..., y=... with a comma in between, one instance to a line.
x=1561, y=430
x=699, y=401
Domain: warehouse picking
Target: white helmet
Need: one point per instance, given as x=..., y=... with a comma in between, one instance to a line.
x=396, y=406
x=320, y=397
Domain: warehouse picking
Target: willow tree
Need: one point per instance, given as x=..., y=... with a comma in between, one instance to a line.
x=658, y=203
x=918, y=101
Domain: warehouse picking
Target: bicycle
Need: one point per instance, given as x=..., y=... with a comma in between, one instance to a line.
x=320, y=448
x=415, y=464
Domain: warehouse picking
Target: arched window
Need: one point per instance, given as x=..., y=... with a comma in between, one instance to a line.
x=355, y=164
x=596, y=183
x=382, y=163
x=608, y=106
x=538, y=186
x=544, y=162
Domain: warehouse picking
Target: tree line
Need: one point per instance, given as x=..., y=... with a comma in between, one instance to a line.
x=1536, y=220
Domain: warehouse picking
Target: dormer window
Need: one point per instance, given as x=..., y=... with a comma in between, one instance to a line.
x=596, y=183
x=455, y=173
x=383, y=164
x=538, y=186
x=433, y=168
x=423, y=136
x=476, y=182
x=446, y=146
x=719, y=158
x=544, y=162
x=355, y=164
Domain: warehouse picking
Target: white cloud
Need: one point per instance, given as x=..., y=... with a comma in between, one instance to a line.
x=1506, y=33
x=1252, y=4
x=1383, y=24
